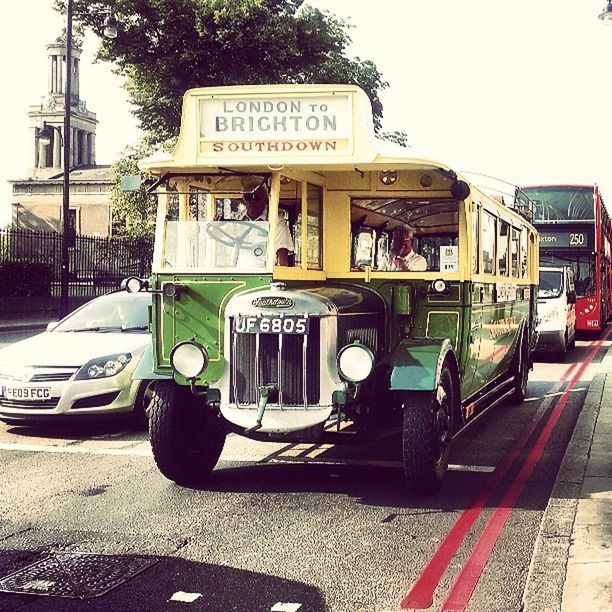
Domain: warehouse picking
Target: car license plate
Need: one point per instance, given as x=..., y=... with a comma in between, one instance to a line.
x=27, y=393
x=270, y=324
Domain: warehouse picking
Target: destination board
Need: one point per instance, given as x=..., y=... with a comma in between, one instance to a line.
x=578, y=238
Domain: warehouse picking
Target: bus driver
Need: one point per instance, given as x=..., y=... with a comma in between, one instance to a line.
x=255, y=199
x=401, y=255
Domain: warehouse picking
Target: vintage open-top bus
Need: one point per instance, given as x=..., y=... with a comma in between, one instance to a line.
x=343, y=342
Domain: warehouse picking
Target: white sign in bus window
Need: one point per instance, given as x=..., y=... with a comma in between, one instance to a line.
x=449, y=258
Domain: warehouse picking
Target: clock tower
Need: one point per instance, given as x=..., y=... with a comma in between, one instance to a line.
x=47, y=160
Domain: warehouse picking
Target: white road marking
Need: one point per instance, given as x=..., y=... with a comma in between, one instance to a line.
x=76, y=450
x=185, y=597
x=146, y=452
x=285, y=607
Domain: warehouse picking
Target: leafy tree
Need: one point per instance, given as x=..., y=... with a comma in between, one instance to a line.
x=133, y=211
x=165, y=47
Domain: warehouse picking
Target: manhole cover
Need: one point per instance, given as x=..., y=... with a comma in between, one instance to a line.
x=75, y=575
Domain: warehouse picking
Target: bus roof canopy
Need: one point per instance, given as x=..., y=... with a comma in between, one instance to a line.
x=270, y=127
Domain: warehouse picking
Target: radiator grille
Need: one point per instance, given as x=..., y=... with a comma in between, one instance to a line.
x=255, y=362
x=53, y=376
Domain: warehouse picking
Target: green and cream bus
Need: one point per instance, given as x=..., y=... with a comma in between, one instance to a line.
x=336, y=344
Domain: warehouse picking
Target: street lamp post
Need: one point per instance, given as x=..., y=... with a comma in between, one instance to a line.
x=110, y=31
x=66, y=174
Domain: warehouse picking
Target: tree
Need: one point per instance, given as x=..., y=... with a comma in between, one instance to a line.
x=165, y=47
x=133, y=211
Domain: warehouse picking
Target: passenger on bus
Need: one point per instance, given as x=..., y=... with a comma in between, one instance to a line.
x=255, y=199
x=401, y=255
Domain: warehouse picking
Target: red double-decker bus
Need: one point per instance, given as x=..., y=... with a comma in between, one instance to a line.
x=575, y=230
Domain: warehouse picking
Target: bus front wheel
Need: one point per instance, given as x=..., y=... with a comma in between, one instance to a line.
x=186, y=437
x=520, y=369
x=427, y=434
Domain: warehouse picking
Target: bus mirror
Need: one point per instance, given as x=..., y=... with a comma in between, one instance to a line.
x=402, y=300
x=460, y=190
x=131, y=182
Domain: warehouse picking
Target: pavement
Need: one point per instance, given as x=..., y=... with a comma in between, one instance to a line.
x=571, y=566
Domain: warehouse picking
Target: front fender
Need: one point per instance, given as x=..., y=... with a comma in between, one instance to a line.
x=145, y=368
x=415, y=365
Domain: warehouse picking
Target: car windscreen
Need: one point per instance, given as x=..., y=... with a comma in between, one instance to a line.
x=115, y=312
x=551, y=284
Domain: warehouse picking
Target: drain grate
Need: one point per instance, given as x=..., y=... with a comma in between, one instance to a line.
x=75, y=575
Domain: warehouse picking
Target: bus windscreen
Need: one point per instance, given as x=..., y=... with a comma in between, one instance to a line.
x=561, y=203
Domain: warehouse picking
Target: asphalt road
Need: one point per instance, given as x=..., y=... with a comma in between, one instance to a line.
x=287, y=527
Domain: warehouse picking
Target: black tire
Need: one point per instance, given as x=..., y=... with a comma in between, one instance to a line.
x=142, y=405
x=186, y=436
x=561, y=354
x=427, y=434
x=520, y=369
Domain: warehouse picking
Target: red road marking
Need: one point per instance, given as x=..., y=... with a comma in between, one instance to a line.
x=466, y=582
x=420, y=595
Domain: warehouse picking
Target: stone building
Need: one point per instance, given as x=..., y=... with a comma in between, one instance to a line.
x=37, y=200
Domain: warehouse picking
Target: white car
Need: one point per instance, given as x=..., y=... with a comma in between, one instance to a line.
x=81, y=366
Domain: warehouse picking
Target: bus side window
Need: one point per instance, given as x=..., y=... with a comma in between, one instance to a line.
x=290, y=207
x=475, y=240
x=502, y=247
x=514, y=253
x=314, y=205
x=488, y=242
x=523, y=252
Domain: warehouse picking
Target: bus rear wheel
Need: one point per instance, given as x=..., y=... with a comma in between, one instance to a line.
x=186, y=437
x=427, y=434
x=520, y=369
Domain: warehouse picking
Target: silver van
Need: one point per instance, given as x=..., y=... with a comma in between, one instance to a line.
x=556, y=311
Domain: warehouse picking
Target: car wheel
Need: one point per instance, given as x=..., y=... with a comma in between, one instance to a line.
x=140, y=413
x=520, y=369
x=561, y=354
x=427, y=434
x=186, y=435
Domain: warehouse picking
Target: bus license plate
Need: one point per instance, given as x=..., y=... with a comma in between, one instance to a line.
x=27, y=393
x=271, y=325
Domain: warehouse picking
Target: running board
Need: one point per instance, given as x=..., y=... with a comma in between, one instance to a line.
x=484, y=411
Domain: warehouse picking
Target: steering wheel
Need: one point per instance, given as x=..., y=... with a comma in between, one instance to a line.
x=217, y=232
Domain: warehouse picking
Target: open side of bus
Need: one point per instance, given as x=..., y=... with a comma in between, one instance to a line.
x=355, y=336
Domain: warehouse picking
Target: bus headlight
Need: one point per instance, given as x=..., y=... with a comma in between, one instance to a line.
x=189, y=359
x=355, y=362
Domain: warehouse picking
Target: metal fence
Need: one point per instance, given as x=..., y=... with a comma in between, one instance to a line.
x=97, y=265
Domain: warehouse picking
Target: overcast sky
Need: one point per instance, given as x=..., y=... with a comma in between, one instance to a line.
x=521, y=91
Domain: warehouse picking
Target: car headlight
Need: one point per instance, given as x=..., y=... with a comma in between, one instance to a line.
x=103, y=367
x=189, y=359
x=355, y=362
